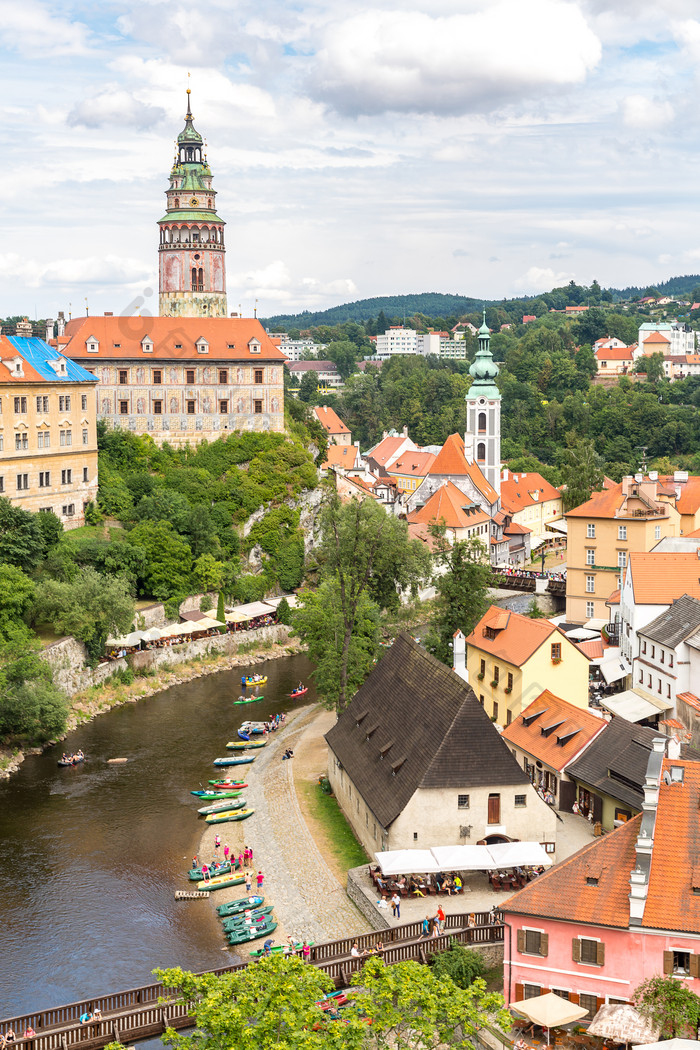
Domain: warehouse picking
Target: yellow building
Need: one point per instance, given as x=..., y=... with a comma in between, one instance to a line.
x=602, y=533
x=410, y=468
x=48, y=438
x=532, y=502
x=511, y=659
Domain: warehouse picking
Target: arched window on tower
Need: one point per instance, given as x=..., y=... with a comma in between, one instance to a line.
x=190, y=153
x=195, y=235
x=176, y=202
x=482, y=423
x=481, y=452
x=201, y=280
x=194, y=278
x=209, y=202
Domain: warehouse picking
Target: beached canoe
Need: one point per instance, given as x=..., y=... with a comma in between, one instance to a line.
x=246, y=918
x=241, y=745
x=282, y=949
x=221, y=882
x=240, y=760
x=227, y=785
x=229, y=814
x=254, y=681
x=196, y=874
x=212, y=796
x=251, y=934
x=249, y=699
x=242, y=904
x=219, y=807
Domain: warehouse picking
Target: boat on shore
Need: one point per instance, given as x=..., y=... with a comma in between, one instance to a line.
x=282, y=949
x=229, y=814
x=228, y=785
x=196, y=874
x=252, y=728
x=240, y=760
x=246, y=918
x=221, y=882
x=251, y=933
x=212, y=796
x=240, y=905
x=244, y=742
x=219, y=807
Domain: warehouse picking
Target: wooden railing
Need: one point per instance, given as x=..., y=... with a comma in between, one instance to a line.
x=141, y=1013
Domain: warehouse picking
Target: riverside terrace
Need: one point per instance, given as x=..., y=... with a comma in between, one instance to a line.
x=141, y=1013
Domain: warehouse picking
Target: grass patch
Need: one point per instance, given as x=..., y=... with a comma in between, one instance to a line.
x=339, y=838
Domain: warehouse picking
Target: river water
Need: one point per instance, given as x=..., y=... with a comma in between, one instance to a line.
x=92, y=855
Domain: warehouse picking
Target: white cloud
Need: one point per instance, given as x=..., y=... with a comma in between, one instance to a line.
x=542, y=279
x=92, y=270
x=407, y=61
x=114, y=106
x=30, y=27
x=639, y=111
x=687, y=33
x=274, y=284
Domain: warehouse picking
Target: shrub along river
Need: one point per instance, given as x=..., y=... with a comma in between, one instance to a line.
x=92, y=855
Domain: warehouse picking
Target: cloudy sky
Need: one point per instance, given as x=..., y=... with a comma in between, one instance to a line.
x=481, y=147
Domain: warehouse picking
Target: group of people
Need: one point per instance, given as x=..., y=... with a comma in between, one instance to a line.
x=294, y=946
x=366, y=953
x=74, y=758
x=418, y=885
x=288, y=754
x=9, y=1037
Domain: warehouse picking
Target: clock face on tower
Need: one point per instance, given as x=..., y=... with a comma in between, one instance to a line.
x=194, y=202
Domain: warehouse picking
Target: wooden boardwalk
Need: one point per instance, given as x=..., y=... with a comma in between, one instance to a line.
x=141, y=1013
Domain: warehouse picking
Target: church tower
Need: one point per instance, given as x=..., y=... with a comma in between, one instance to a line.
x=191, y=264
x=482, y=440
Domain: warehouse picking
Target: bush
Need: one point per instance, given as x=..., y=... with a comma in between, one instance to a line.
x=460, y=964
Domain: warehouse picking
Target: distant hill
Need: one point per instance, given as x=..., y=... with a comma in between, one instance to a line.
x=677, y=286
x=432, y=304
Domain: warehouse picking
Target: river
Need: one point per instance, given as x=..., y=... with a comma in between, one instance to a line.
x=92, y=855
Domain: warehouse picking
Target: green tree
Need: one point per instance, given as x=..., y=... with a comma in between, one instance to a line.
x=268, y=1006
x=208, y=573
x=413, y=1008
x=221, y=611
x=582, y=472
x=51, y=528
x=284, y=612
x=344, y=354
x=32, y=709
x=166, y=573
x=308, y=388
x=669, y=1004
x=462, y=965
x=21, y=537
x=16, y=595
x=462, y=594
x=653, y=366
x=90, y=607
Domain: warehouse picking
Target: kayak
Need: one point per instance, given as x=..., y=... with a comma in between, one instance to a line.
x=228, y=785
x=229, y=814
x=299, y=692
x=246, y=918
x=219, y=807
x=242, y=904
x=282, y=949
x=241, y=745
x=252, y=934
x=212, y=796
x=72, y=761
x=196, y=874
x=250, y=699
x=221, y=882
x=240, y=761
x=253, y=727
x=254, y=681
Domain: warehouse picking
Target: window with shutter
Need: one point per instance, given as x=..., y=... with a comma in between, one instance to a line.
x=600, y=960
x=695, y=965
x=544, y=944
x=521, y=940
x=576, y=949
x=668, y=963
x=590, y=1003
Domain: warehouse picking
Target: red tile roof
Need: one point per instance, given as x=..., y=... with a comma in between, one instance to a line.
x=329, y=420
x=614, y=353
x=593, y=648
x=451, y=460
x=671, y=903
x=690, y=699
x=312, y=366
x=658, y=579
x=574, y=729
x=412, y=464
x=529, y=490
x=656, y=337
x=614, y=598
x=516, y=639
x=446, y=505
x=605, y=504
x=514, y=529
x=385, y=451
x=341, y=456
x=120, y=337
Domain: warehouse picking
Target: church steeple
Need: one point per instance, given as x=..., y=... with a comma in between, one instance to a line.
x=192, y=276
x=482, y=440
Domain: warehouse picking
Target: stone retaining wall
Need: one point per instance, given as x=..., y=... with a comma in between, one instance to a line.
x=363, y=900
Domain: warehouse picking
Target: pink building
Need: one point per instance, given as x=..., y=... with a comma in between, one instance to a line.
x=624, y=908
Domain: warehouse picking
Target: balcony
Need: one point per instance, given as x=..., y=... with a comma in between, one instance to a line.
x=612, y=633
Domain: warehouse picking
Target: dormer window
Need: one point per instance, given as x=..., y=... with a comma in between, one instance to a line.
x=147, y=345
x=92, y=345
x=202, y=346
x=254, y=346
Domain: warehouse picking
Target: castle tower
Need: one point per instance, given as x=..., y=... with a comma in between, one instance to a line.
x=482, y=440
x=191, y=264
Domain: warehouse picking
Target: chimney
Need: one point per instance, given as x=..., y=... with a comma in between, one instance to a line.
x=109, y=313
x=639, y=478
x=459, y=655
x=405, y=432
x=505, y=474
x=49, y=328
x=24, y=329
x=61, y=324
x=680, y=475
x=653, y=475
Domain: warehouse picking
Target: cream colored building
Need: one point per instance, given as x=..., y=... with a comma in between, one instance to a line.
x=181, y=379
x=602, y=533
x=531, y=501
x=410, y=774
x=48, y=438
x=511, y=659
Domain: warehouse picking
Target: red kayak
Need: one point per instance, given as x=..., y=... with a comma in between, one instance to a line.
x=224, y=785
x=299, y=692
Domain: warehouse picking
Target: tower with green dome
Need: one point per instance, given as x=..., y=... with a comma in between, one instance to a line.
x=191, y=257
x=482, y=440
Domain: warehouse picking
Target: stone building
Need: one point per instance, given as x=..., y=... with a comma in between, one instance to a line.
x=48, y=438
x=181, y=380
x=416, y=762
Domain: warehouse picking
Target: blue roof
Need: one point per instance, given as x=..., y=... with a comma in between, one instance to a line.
x=37, y=353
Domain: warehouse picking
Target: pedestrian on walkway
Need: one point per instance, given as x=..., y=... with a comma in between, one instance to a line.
x=440, y=915
x=259, y=880
x=425, y=926
x=396, y=906
x=306, y=951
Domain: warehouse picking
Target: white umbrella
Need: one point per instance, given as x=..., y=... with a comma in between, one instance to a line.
x=549, y=1011
x=519, y=854
x=621, y=1023
x=580, y=634
x=406, y=861
x=152, y=634
x=670, y=1044
x=462, y=858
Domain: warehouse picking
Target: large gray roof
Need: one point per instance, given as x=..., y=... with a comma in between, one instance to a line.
x=679, y=621
x=415, y=724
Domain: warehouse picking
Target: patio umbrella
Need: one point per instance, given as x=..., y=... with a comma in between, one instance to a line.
x=671, y=1044
x=549, y=1011
x=623, y=1024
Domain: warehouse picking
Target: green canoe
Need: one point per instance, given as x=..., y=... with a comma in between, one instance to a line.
x=196, y=874
x=252, y=934
x=220, y=807
x=281, y=949
x=221, y=882
x=238, y=922
x=212, y=796
x=228, y=814
x=250, y=699
x=242, y=745
x=255, y=900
